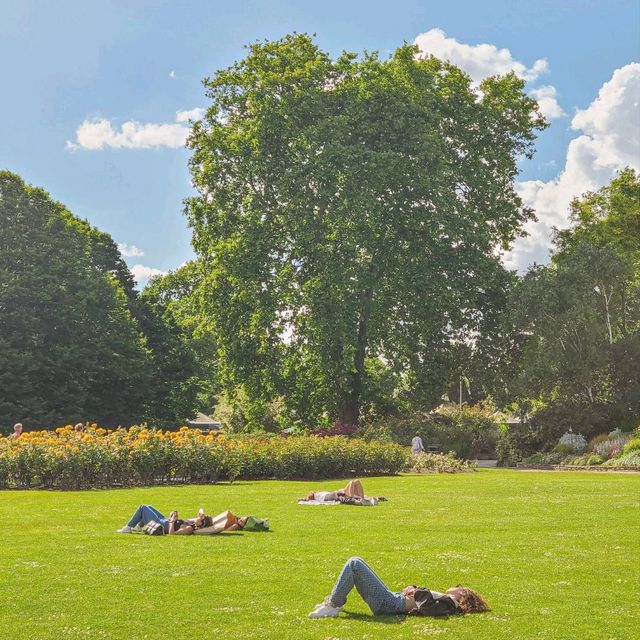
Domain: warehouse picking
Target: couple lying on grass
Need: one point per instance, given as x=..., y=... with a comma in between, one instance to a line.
x=353, y=493
x=202, y=524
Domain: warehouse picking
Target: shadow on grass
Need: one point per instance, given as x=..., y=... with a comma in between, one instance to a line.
x=363, y=617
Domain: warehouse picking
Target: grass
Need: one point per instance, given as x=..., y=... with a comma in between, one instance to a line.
x=555, y=554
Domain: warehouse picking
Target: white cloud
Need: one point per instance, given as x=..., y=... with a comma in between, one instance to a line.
x=99, y=133
x=548, y=102
x=480, y=60
x=172, y=74
x=129, y=250
x=610, y=141
x=142, y=273
x=190, y=114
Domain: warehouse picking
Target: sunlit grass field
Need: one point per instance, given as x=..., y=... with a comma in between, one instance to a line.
x=557, y=556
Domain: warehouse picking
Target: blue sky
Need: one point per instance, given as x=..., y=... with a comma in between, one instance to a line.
x=107, y=63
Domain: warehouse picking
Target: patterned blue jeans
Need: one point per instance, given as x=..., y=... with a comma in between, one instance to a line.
x=144, y=514
x=357, y=573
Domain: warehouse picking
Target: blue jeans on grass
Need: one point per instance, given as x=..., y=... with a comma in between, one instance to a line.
x=144, y=514
x=357, y=573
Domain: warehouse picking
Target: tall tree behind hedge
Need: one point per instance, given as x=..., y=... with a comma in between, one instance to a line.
x=576, y=321
x=69, y=347
x=351, y=209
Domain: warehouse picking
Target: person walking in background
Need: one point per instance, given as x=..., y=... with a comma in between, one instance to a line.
x=17, y=430
x=416, y=444
x=382, y=601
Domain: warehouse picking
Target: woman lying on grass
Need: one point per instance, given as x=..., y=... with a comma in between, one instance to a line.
x=353, y=490
x=353, y=493
x=411, y=600
x=173, y=525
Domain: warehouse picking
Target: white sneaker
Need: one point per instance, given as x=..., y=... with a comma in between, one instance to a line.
x=325, y=610
x=137, y=528
x=327, y=600
x=125, y=529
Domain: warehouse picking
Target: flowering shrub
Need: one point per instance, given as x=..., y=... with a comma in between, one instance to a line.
x=632, y=445
x=575, y=441
x=629, y=460
x=65, y=459
x=438, y=463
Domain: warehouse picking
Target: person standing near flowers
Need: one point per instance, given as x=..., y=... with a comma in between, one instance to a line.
x=416, y=444
x=17, y=430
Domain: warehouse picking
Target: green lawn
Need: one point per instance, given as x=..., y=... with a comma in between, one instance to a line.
x=557, y=555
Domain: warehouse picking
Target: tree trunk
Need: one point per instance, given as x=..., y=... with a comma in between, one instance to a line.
x=353, y=396
x=351, y=412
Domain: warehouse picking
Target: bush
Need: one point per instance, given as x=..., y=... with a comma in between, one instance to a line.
x=609, y=445
x=381, y=433
x=563, y=449
x=517, y=443
x=551, y=422
x=64, y=459
x=438, y=463
x=547, y=458
x=469, y=432
x=596, y=440
x=627, y=460
x=632, y=445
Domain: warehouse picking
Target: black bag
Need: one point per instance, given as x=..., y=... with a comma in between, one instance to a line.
x=427, y=605
x=153, y=528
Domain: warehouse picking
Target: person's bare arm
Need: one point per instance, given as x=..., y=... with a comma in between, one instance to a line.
x=184, y=530
x=205, y=531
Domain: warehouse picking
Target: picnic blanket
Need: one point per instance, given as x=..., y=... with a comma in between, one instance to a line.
x=367, y=501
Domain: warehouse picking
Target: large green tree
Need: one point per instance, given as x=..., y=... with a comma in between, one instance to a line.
x=69, y=349
x=77, y=342
x=351, y=209
x=186, y=346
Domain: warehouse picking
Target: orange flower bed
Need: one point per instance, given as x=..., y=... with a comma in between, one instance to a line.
x=65, y=459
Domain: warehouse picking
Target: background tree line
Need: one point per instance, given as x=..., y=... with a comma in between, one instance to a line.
x=77, y=342
x=348, y=223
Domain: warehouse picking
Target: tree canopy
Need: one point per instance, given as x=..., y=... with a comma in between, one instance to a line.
x=577, y=321
x=76, y=340
x=351, y=211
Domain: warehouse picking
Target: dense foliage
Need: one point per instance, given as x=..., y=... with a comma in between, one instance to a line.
x=570, y=354
x=76, y=340
x=470, y=432
x=438, y=463
x=617, y=449
x=349, y=213
x=66, y=459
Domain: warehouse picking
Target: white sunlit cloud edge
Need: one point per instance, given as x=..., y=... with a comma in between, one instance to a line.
x=609, y=137
x=483, y=60
x=142, y=273
x=99, y=133
x=609, y=141
x=129, y=250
